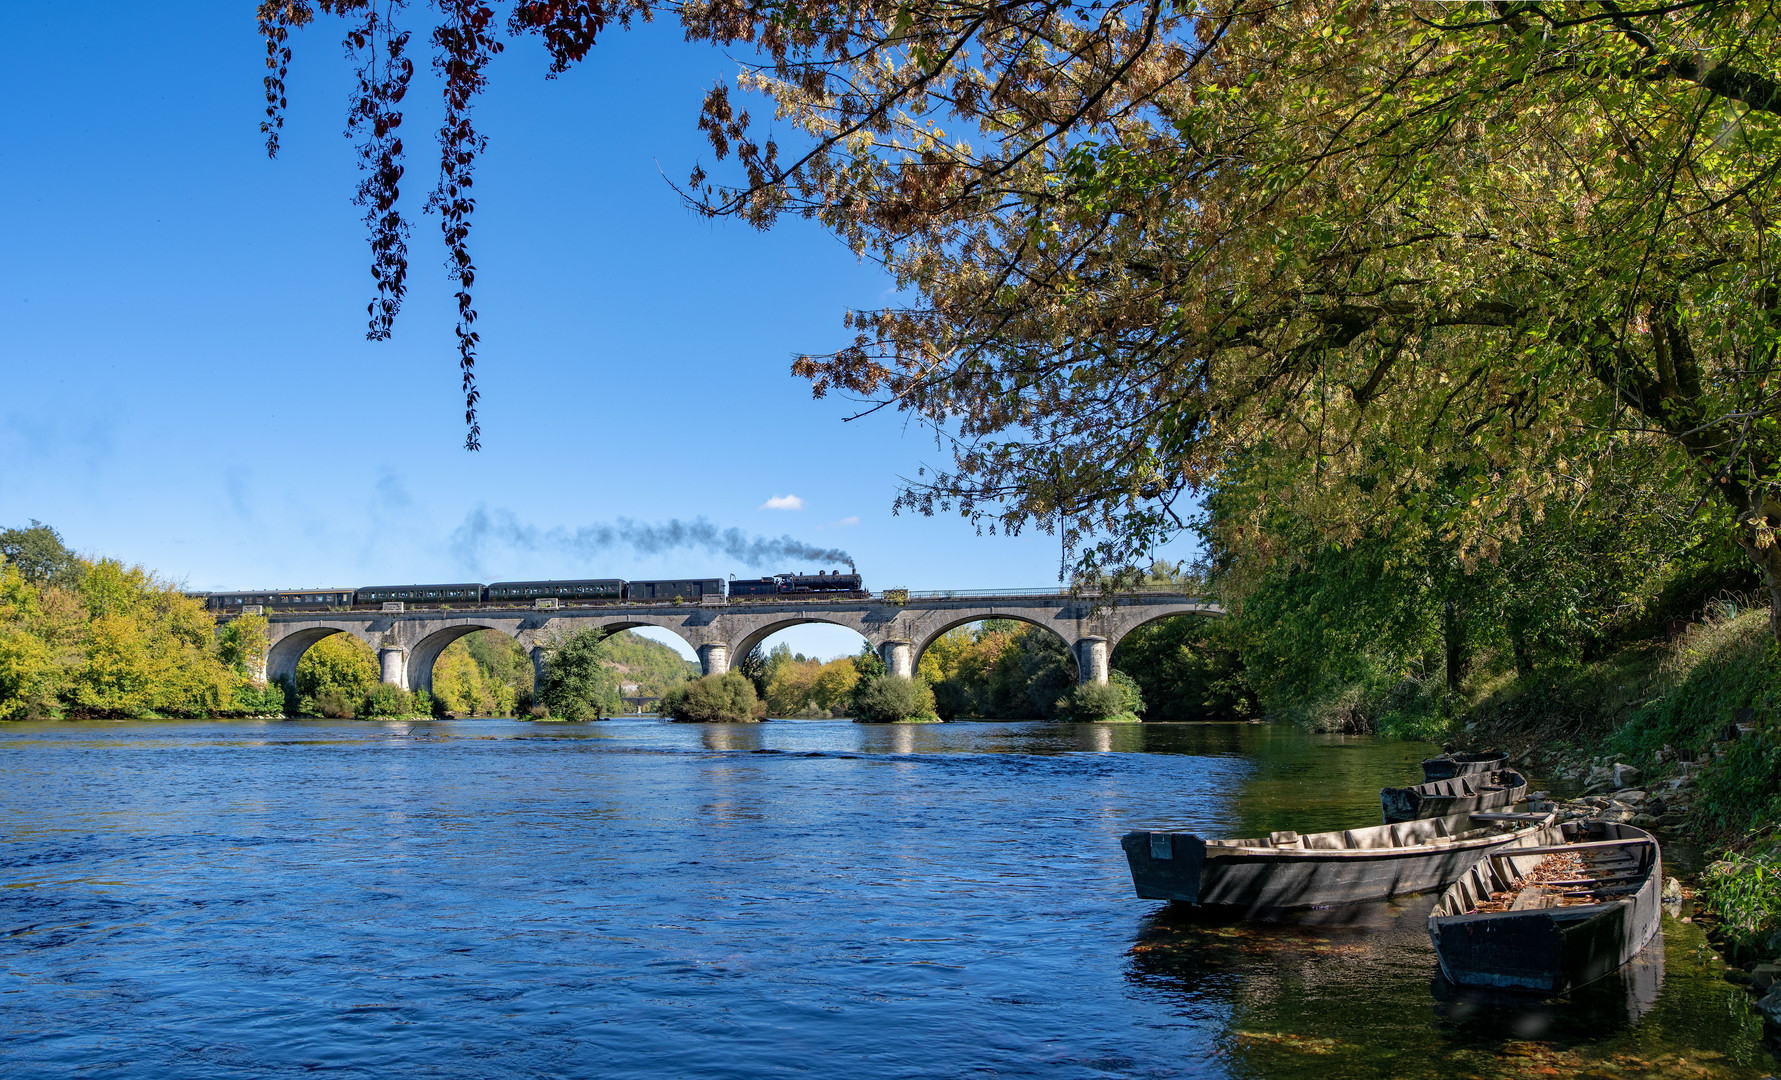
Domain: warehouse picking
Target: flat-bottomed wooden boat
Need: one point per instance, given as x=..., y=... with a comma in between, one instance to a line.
x=1468, y=792
x=1286, y=871
x=1548, y=919
x=1448, y=766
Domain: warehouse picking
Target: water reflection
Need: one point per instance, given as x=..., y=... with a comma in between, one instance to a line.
x=1364, y=999
x=1607, y=1004
x=731, y=738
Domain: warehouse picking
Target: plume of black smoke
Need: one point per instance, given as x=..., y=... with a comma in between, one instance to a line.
x=482, y=529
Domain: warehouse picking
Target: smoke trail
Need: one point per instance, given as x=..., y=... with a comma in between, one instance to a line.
x=482, y=529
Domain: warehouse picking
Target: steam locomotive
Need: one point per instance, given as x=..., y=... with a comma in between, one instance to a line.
x=574, y=593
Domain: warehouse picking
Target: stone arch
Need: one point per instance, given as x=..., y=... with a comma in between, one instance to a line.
x=1195, y=612
x=282, y=655
x=743, y=646
x=967, y=618
x=619, y=625
x=425, y=652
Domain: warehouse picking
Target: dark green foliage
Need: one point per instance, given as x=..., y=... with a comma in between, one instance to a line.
x=577, y=685
x=291, y=703
x=726, y=698
x=757, y=668
x=335, y=705
x=888, y=699
x=1744, y=790
x=868, y=663
x=40, y=556
x=1727, y=670
x=255, y=701
x=385, y=700
x=1045, y=672
x=1744, y=892
x=1187, y=669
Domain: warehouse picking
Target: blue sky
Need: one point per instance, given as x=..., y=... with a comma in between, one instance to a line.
x=187, y=384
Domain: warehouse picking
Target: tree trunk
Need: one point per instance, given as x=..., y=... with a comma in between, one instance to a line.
x=1524, y=660
x=1454, y=629
x=1767, y=559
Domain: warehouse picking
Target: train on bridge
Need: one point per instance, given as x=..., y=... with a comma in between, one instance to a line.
x=572, y=593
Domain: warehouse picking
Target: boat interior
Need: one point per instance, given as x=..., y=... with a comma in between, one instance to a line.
x=1467, y=785
x=1424, y=832
x=1572, y=881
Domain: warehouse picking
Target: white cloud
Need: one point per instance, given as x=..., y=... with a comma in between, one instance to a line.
x=783, y=502
x=851, y=519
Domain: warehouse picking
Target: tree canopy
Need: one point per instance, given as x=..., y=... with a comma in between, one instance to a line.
x=1404, y=265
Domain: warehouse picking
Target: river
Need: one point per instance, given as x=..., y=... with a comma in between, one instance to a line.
x=636, y=898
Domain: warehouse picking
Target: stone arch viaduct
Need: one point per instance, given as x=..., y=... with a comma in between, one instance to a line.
x=408, y=642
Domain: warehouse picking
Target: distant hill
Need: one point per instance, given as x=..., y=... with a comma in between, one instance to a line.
x=654, y=667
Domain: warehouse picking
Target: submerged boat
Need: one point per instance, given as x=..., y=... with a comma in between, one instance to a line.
x=1284, y=871
x=1548, y=919
x=1448, y=766
x=1461, y=794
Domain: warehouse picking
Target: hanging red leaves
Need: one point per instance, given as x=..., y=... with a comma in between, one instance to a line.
x=464, y=43
x=374, y=119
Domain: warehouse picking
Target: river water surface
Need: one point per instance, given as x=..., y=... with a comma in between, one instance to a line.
x=637, y=898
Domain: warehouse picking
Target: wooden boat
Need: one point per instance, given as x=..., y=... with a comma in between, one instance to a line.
x=1448, y=766
x=1284, y=871
x=1472, y=791
x=1549, y=919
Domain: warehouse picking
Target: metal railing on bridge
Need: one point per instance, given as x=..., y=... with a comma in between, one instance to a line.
x=1048, y=590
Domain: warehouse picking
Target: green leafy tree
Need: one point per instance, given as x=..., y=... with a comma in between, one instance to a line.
x=1187, y=667
x=242, y=643
x=335, y=676
x=577, y=684
x=505, y=662
x=39, y=555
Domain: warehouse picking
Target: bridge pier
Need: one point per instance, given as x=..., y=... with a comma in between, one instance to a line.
x=540, y=670
x=1091, y=660
x=714, y=659
x=898, y=657
x=395, y=666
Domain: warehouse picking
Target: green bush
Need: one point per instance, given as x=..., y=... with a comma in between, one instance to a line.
x=333, y=704
x=387, y=700
x=251, y=700
x=889, y=699
x=1745, y=894
x=1096, y=703
x=1108, y=702
x=727, y=698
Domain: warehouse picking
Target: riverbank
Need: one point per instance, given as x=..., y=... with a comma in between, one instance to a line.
x=1681, y=738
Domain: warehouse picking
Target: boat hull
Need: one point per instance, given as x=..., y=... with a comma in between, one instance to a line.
x=1466, y=793
x=1549, y=950
x=1305, y=874
x=1448, y=766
